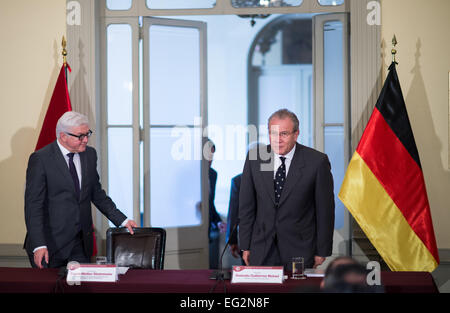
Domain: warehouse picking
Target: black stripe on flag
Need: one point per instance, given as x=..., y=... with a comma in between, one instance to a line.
x=392, y=106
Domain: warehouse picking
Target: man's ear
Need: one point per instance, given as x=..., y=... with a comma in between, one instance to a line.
x=62, y=136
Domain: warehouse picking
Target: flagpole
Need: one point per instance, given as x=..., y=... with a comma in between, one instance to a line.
x=394, y=51
x=64, y=54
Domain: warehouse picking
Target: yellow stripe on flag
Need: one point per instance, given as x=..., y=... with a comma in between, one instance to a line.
x=382, y=221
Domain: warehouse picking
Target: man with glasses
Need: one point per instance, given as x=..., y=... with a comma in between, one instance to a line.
x=61, y=183
x=286, y=201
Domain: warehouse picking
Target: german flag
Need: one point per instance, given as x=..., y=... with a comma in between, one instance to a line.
x=384, y=188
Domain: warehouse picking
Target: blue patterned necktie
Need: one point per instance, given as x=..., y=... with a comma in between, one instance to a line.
x=73, y=173
x=280, y=178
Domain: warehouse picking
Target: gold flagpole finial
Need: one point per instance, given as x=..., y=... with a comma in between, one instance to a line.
x=64, y=51
x=394, y=51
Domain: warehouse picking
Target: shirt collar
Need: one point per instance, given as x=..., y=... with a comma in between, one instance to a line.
x=288, y=155
x=64, y=151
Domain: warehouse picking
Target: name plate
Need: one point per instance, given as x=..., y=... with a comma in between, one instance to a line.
x=257, y=274
x=78, y=273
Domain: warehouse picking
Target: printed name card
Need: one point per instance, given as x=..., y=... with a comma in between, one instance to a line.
x=91, y=273
x=257, y=274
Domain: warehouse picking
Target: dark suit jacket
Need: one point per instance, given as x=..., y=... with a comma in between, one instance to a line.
x=53, y=214
x=214, y=217
x=233, y=209
x=303, y=223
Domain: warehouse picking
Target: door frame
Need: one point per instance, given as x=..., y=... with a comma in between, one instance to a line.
x=342, y=239
x=192, y=253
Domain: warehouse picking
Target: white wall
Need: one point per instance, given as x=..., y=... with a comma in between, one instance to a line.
x=30, y=59
x=422, y=28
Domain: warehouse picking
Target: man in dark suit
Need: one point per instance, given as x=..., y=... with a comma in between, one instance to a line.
x=233, y=216
x=286, y=203
x=61, y=183
x=216, y=226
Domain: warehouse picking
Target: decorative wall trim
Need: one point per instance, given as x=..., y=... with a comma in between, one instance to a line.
x=365, y=67
x=13, y=255
x=366, y=80
x=444, y=256
x=83, y=46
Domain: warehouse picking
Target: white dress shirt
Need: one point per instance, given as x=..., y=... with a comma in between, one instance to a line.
x=76, y=160
x=277, y=162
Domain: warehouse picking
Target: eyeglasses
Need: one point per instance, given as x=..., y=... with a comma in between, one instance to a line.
x=284, y=134
x=81, y=137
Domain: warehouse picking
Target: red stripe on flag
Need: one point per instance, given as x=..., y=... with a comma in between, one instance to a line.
x=69, y=104
x=400, y=176
x=59, y=104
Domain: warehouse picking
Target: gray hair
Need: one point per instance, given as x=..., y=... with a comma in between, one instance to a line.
x=285, y=113
x=69, y=120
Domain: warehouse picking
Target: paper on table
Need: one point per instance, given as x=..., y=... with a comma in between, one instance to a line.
x=314, y=272
x=122, y=270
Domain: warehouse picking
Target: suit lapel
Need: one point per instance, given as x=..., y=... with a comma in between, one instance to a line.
x=61, y=164
x=266, y=171
x=294, y=174
x=83, y=161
